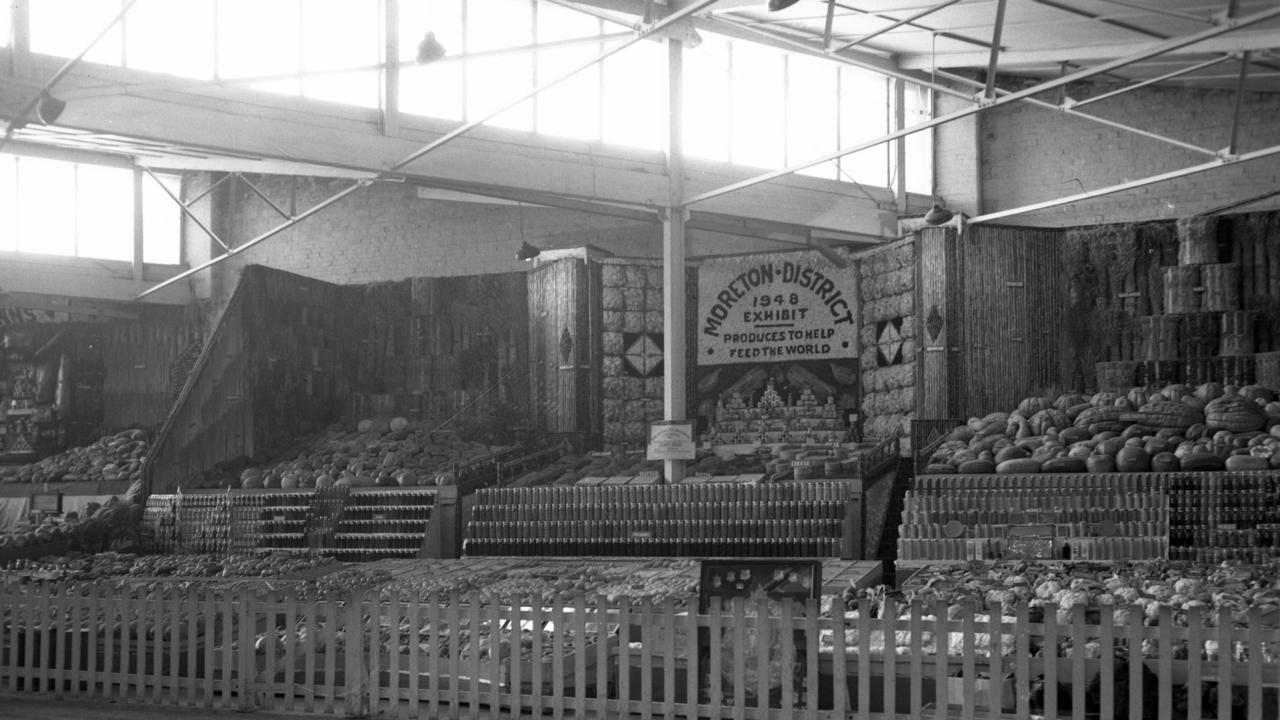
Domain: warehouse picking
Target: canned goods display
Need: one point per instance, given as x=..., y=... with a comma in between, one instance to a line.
x=707, y=519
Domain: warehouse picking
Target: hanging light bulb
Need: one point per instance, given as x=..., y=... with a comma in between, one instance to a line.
x=938, y=215
x=776, y=5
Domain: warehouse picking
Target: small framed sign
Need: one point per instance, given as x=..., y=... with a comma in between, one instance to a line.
x=46, y=502
x=1030, y=542
x=671, y=440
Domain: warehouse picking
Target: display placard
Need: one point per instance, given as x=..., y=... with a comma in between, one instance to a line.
x=671, y=441
x=775, y=308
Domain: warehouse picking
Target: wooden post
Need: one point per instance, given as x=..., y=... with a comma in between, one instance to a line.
x=673, y=256
x=854, y=522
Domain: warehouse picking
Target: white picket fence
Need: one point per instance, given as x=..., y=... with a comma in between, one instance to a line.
x=473, y=656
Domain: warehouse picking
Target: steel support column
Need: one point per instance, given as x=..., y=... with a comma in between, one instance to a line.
x=989, y=91
x=674, y=357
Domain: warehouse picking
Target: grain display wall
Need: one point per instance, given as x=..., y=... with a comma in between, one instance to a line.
x=442, y=351
x=887, y=278
x=632, y=344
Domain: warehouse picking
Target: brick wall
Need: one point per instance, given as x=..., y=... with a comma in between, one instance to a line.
x=386, y=232
x=1030, y=154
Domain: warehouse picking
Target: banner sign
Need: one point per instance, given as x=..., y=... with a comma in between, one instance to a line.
x=775, y=308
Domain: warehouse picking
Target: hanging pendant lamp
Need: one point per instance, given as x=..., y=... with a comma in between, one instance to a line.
x=938, y=215
x=776, y=5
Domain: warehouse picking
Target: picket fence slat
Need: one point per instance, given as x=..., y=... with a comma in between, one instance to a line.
x=228, y=648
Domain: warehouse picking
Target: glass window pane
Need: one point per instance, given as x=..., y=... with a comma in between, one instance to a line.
x=104, y=212
x=8, y=203
x=171, y=37
x=758, y=131
x=4, y=28
x=434, y=90
x=65, y=27
x=635, y=96
x=812, y=113
x=495, y=81
x=161, y=221
x=571, y=108
x=864, y=115
x=259, y=38
x=46, y=223
x=919, y=144
x=707, y=109
x=341, y=34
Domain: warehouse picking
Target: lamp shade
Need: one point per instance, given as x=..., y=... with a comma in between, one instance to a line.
x=776, y=5
x=937, y=215
x=430, y=49
x=49, y=108
x=527, y=251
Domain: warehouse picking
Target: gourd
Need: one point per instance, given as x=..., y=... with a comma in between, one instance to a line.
x=1240, y=463
x=1103, y=399
x=1203, y=462
x=1100, y=419
x=1234, y=413
x=1065, y=464
x=1177, y=391
x=1018, y=466
x=977, y=467
x=1253, y=393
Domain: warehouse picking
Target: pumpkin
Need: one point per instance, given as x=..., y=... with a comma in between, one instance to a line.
x=1209, y=391
x=1234, y=413
x=1133, y=459
x=324, y=482
x=1165, y=462
x=1032, y=405
x=1043, y=421
x=1103, y=399
x=1177, y=391
x=398, y=424
x=1100, y=464
x=1098, y=415
x=1254, y=393
x=364, y=426
x=1139, y=396
x=290, y=482
x=253, y=482
x=1169, y=414
x=1066, y=401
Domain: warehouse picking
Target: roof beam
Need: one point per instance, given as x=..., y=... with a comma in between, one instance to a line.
x=908, y=20
x=1149, y=51
x=1229, y=41
x=1122, y=187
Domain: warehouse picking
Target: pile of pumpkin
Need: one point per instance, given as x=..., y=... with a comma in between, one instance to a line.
x=1177, y=427
x=391, y=453
x=116, y=457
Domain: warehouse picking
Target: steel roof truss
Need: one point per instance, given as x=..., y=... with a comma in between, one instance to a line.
x=1148, y=52
x=186, y=210
x=909, y=20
